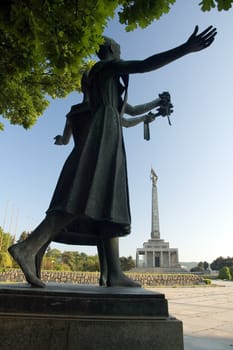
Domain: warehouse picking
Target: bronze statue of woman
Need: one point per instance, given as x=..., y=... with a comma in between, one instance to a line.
x=79, y=124
x=100, y=201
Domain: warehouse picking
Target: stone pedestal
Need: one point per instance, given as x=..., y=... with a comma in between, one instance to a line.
x=78, y=317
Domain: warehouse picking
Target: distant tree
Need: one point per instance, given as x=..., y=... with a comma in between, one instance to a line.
x=91, y=264
x=68, y=258
x=205, y=265
x=55, y=253
x=224, y=273
x=52, y=259
x=5, y=260
x=127, y=263
x=220, y=262
x=217, y=264
x=62, y=267
x=79, y=260
x=70, y=261
x=49, y=263
x=23, y=236
x=196, y=269
x=201, y=267
x=6, y=239
x=229, y=261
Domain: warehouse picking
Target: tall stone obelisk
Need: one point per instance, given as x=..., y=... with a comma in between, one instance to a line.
x=156, y=253
x=155, y=231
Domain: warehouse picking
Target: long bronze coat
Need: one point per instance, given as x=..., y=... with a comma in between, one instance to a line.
x=93, y=185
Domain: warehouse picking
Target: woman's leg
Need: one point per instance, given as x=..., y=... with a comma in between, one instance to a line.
x=115, y=274
x=102, y=263
x=39, y=258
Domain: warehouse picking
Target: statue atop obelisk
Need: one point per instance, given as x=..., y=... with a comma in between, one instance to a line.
x=155, y=232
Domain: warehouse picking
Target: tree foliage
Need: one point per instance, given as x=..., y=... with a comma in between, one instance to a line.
x=23, y=236
x=205, y=265
x=207, y=5
x=224, y=273
x=69, y=261
x=5, y=240
x=220, y=262
x=202, y=266
x=196, y=269
x=5, y=260
x=127, y=263
x=75, y=261
x=45, y=45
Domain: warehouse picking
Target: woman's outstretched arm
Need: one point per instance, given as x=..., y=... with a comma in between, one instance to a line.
x=195, y=43
x=143, y=108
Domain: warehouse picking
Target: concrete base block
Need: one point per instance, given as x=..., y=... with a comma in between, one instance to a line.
x=49, y=323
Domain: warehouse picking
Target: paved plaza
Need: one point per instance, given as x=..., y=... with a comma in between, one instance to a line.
x=206, y=313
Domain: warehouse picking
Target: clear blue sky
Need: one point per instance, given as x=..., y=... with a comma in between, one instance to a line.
x=192, y=158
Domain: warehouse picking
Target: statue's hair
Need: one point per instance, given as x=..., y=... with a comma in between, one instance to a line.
x=109, y=41
x=105, y=47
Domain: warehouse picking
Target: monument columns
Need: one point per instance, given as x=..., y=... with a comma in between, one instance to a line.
x=169, y=258
x=146, y=262
x=137, y=259
x=161, y=259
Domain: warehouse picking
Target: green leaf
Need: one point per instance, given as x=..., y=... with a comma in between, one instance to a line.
x=224, y=4
x=207, y=5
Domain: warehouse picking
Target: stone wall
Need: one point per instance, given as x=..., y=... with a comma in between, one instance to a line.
x=146, y=279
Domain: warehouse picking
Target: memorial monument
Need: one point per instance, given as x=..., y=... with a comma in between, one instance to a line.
x=156, y=255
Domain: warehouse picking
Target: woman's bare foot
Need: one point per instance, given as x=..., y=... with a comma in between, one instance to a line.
x=27, y=264
x=121, y=280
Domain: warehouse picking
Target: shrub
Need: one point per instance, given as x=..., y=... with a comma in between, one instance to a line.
x=224, y=273
x=207, y=281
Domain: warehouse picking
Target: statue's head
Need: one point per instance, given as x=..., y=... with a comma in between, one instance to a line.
x=110, y=48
